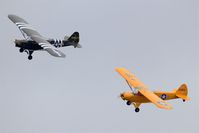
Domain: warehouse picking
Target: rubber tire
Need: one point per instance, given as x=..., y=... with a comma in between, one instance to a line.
x=21, y=50
x=183, y=100
x=137, y=110
x=128, y=103
x=30, y=57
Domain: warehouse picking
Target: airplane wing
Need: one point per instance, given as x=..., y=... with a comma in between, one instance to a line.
x=48, y=47
x=26, y=29
x=132, y=80
x=30, y=33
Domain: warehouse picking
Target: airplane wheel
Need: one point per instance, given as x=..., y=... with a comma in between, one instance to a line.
x=128, y=103
x=183, y=100
x=21, y=50
x=137, y=110
x=30, y=57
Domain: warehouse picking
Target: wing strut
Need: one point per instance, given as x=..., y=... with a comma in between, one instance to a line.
x=129, y=85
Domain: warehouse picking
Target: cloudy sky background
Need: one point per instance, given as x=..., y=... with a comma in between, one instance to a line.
x=156, y=40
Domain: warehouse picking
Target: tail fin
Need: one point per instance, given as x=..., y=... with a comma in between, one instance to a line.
x=182, y=92
x=74, y=39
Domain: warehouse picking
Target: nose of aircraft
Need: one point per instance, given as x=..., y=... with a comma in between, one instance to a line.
x=17, y=43
x=122, y=95
x=126, y=95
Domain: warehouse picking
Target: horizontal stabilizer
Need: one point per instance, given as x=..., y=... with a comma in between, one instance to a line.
x=79, y=46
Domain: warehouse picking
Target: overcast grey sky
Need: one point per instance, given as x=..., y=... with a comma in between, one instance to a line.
x=157, y=40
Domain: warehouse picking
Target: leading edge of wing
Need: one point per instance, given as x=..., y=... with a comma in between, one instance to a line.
x=48, y=47
x=15, y=19
x=26, y=29
x=128, y=76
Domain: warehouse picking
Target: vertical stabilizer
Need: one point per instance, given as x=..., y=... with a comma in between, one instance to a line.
x=182, y=92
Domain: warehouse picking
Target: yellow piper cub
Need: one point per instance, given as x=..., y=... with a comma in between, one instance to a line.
x=141, y=94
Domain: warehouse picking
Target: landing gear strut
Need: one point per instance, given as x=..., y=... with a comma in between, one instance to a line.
x=30, y=55
x=27, y=51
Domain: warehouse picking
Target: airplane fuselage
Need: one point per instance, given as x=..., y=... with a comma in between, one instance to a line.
x=139, y=98
x=32, y=45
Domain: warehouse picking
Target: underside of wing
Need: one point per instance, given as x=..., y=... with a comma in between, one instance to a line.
x=155, y=99
x=26, y=29
x=48, y=47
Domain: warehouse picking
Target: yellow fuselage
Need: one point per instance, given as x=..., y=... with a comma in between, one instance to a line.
x=139, y=98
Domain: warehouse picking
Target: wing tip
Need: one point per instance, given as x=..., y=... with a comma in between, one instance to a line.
x=63, y=56
x=170, y=107
x=11, y=15
x=164, y=105
x=118, y=68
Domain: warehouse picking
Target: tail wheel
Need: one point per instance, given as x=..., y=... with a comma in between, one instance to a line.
x=137, y=110
x=183, y=100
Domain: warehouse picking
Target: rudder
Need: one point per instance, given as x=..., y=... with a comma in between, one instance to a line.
x=74, y=38
x=182, y=92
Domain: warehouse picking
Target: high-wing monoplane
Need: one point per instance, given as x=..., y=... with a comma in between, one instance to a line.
x=141, y=94
x=34, y=41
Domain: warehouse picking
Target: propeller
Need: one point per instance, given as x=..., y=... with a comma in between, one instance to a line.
x=119, y=96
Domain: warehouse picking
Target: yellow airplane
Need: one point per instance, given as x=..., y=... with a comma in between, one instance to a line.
x=141, y=94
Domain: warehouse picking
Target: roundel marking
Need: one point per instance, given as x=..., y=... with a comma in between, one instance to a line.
x=163, y=96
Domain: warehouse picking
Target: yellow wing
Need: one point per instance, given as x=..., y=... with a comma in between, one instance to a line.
x=132, y=80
